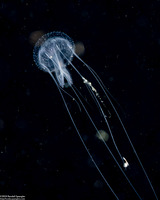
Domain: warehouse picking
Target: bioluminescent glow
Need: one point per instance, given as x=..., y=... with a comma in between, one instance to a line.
x=53, y=53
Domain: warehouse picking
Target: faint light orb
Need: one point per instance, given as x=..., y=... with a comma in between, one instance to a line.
x=103, y=135
x=34, y=36
x=98, y=184
x=79, y=48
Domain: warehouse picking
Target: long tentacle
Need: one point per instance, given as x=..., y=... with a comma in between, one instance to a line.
x=102, y=86
x=105, y=142
x=91, y=157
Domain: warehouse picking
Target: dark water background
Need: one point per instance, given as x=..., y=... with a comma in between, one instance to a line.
x=41, y=155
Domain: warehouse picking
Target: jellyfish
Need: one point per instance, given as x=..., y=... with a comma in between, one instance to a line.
x=52, y=53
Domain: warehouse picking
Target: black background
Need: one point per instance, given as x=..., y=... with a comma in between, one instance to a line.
x=41, y=155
